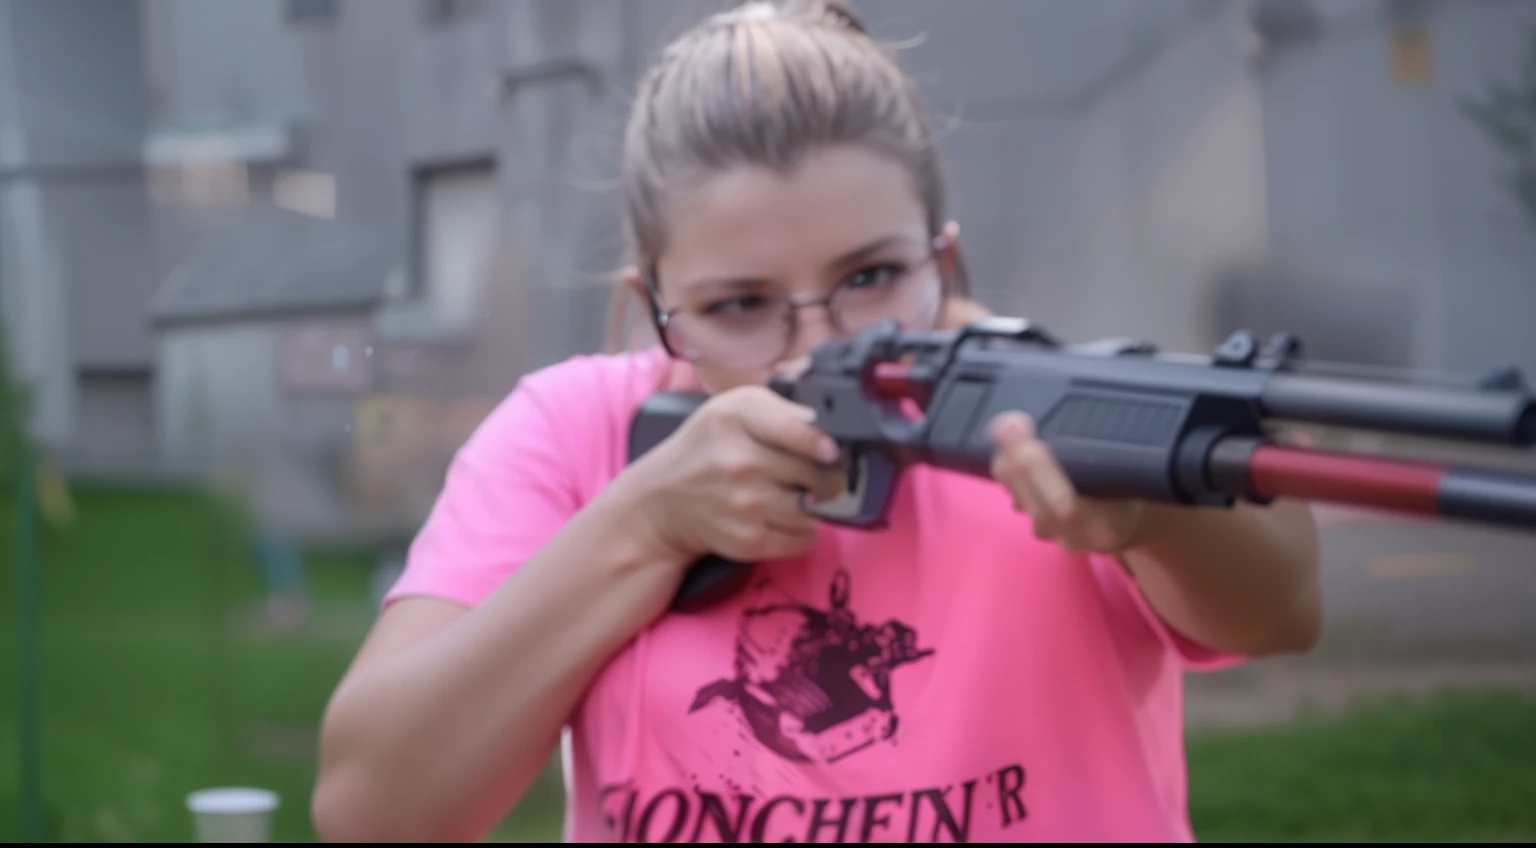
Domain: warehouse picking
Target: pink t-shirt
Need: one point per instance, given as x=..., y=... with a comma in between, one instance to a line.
x=950, y=678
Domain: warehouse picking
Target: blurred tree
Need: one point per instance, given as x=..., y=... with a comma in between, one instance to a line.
x=48, y=486
x=17, y=472
x=13, y=406
x=1507, y=112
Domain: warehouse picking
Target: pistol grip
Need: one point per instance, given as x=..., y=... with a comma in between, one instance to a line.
x=709, y=580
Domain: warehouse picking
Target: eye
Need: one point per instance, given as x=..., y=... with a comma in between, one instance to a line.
x=737, y=305
x=875, y=275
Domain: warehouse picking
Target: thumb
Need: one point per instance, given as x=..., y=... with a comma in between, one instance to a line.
x=1009, y=427
x=793, y=368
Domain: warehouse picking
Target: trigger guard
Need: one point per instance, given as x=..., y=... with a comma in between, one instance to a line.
x=811, y=508
x=847, y=507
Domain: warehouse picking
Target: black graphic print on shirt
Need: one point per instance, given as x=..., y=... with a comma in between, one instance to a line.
x=811, y=685
x=814, y=685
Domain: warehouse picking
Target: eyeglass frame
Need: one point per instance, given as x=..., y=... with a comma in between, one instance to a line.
x=661, y=315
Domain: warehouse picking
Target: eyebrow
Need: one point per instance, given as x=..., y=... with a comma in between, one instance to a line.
x=848, y=258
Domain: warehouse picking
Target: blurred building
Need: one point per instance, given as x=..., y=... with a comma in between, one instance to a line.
x=319, y=239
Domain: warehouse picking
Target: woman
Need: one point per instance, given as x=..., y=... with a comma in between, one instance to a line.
x=1003, y=663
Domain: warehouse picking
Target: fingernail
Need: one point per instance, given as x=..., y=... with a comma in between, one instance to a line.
x=827, y=450
x=806, y=413
x=1007, y=424
x=793, y=368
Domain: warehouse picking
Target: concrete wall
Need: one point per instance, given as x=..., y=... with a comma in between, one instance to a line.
x=1102, y=155
x=1390, y=193
x=1165, y=185
x=73, y=257
x=217, y=386
x=1117, y=168
x=225, y=405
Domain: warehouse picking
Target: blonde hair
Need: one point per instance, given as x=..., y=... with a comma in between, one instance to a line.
x=765, y=84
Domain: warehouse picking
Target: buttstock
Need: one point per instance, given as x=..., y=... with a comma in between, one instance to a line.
x=712, y=578
x=658, y=417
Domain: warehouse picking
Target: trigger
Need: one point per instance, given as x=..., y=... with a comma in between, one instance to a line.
x=848, y=504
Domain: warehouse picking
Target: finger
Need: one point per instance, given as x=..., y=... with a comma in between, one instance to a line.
x=782, y=530
x=1014, y=433
x=788, y=469
x=1016, y=464
x=832, y=481
x=784, y=512
x=788, y=426
x=1014, y=473
x=1057, y=508
x=781, y=544
x=1009, y=431
x=1050, y=480
x=1032, y=473
x=1011, y=428
x=793, y=368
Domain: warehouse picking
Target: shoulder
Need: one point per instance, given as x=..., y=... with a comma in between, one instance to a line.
x=586, y=383
x=574, y=403
x=545, y=450
x=567, y=421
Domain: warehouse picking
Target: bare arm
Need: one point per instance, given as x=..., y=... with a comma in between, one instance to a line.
x=1243, y=580
x=447, y=715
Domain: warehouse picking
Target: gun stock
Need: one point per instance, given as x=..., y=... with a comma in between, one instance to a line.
x=1125, y=421
x=713, y=577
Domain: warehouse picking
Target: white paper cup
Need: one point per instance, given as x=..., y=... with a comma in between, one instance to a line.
x=232, y=814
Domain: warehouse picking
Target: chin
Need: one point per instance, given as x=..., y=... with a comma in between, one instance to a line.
x=714, y=383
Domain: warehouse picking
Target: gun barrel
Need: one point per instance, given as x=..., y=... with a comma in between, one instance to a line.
x=1246, y=467
x=1486, y=416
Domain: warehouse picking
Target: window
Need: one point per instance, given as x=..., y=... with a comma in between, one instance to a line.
x=458, y=213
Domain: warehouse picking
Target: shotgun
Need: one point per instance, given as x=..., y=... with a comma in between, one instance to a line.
x=1127, y=421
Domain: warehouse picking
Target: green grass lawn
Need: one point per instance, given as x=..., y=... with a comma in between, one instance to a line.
x=154, y=686
x=1460, y=765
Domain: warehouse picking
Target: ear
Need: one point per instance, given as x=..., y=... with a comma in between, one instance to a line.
x=947, y=245
x=630, y=277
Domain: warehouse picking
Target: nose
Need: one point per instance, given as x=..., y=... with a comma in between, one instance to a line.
x=813, y=325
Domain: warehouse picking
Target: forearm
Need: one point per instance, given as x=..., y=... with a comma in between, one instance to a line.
x=1243, y=580
x=437, y=741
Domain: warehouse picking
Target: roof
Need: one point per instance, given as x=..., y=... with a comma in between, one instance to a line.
x=265, y=260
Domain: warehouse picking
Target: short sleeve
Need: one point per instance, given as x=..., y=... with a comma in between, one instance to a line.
x=515, y=482
x=1126, y=597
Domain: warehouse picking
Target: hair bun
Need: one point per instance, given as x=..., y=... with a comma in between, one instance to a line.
x=834, y=12
x=842, y=14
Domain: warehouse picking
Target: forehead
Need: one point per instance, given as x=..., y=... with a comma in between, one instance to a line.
x=751, y=221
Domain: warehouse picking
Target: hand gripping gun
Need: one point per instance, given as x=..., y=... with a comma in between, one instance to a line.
x=1125, y=421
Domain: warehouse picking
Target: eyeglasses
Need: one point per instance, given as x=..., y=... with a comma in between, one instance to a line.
x=748, y=331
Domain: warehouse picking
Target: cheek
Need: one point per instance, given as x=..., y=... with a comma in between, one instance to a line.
x=714, y=381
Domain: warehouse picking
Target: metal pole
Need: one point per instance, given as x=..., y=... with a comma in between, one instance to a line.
x=28, y=598
x=15, y=425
